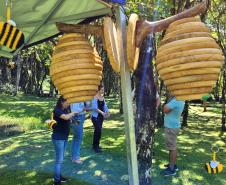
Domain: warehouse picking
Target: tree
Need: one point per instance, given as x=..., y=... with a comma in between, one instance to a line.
x=216, y=21
x=145, y=95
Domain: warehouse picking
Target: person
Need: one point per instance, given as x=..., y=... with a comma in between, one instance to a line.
x=173, y=110
x=62, y=116
x=77, y=130
x=204, y=101
x=100, y=112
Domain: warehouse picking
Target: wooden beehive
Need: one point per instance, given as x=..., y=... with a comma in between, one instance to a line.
x=76, y=68
x=111, y=43
x=189, y=60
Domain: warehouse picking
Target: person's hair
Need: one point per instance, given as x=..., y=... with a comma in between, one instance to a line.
x=59, y=102
x=100, y=87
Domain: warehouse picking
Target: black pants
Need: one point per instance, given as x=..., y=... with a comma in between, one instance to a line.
x=97, y=123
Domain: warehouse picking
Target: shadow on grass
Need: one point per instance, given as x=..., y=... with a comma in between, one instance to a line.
x=34, y=150
x=194, y=150
x=31, y=177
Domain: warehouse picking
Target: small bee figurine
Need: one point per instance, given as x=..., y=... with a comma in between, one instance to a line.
x=214, y=166
x=51, y=122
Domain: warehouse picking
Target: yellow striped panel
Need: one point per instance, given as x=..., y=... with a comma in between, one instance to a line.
x=6, y=32
x=11, y=37
x=1, y=26
x=17, y=40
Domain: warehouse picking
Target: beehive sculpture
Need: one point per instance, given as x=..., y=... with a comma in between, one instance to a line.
x=76, y=68
x=189, y=60
x=111, y=43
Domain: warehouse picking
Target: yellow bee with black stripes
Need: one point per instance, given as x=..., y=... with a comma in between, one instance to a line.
x=10, y=36
x=216, y=169
x=214, y=166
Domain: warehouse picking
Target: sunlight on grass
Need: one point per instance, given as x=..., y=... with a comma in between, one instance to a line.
x=33, y=148
x=194, y=150
x=9, y=149
x=97, y=173
x=175, y=181
x=92, y=164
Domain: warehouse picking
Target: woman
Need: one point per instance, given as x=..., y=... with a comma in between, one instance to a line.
x=60, y=134
x=99, y=113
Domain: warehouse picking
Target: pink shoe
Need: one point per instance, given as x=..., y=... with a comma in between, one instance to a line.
x=77, y=161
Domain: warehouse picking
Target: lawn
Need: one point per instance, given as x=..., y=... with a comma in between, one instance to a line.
x=27, y=155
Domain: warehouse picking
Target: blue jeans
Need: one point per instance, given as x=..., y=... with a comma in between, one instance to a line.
x=97, y=123
x=77, y=130
x=59, y=146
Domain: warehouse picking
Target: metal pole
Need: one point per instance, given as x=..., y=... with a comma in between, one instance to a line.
x=127, y=98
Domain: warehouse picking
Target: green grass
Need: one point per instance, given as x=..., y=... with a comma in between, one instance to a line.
x=194, y=149
x=22, y=113
x=29, y=147
x=33, y=148
x=31, y=177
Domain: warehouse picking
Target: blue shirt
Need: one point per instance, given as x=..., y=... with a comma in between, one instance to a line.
x=172, y=119
x=94, y=107
x=78, y=107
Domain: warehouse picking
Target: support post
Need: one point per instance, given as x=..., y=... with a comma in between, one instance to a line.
x=127, y=98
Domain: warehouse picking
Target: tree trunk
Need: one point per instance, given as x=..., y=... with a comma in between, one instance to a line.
x=223, y=127
x=145, y=95
x=4, y=77
x=9, y=75
x=216, y=90
x=185, y=114
x=18, y=73
x=51, y=88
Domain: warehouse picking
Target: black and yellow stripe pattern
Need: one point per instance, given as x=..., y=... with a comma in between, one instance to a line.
x=10, y=36
x=218, y=169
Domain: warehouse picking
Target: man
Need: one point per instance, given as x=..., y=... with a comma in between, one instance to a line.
x=172, y=110
x=77, y=130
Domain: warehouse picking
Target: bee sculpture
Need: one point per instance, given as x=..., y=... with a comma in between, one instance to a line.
x=51, y=122
x=10, y=36
x=214, y=166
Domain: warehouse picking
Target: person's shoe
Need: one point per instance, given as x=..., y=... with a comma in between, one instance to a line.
x=168, y=172
x=77, y=161
x=63, y=179
x=57, y=183
x=175, y=167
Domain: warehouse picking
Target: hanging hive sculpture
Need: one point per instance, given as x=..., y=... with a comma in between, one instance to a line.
x=189, y=59
x=111, y=43
x=76, y=68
